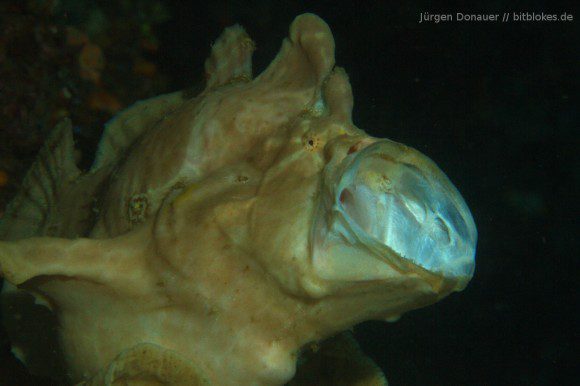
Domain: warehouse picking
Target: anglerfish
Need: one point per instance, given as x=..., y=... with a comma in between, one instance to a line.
x=217, y=235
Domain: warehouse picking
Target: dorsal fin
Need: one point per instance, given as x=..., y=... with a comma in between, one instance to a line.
x=230, y=58
x=51, y=173
x=338, y=96
x=121, y=131
x=306, y=57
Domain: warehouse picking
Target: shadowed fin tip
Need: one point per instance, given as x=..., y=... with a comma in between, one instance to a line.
x=15, y=266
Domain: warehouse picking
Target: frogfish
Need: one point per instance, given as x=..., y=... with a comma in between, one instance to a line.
x=229, y=237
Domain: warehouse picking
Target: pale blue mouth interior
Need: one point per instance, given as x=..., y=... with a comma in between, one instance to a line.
x=417, y=213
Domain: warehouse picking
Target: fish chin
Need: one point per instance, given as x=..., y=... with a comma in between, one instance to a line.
x=392, y=210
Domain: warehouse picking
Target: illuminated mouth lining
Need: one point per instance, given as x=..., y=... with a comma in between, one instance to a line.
x=413, y=210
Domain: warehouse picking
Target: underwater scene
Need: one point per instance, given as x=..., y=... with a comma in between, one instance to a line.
x=288, y=193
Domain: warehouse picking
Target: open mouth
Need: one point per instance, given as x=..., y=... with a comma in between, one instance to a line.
x=399, y=199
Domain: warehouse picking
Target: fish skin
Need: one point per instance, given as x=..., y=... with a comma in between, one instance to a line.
x=190, y=254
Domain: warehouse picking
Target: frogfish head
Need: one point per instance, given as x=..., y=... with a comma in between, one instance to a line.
x=337, y=213
x=341, y=212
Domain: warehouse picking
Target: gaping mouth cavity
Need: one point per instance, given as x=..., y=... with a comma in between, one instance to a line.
x=408, y=205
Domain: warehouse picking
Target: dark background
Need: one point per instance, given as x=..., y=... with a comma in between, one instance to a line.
x=495, y=106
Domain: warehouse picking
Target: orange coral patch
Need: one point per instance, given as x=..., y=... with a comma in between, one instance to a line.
x=104, y=101
x=91, y=62
x=144, y=68
x=3, y=178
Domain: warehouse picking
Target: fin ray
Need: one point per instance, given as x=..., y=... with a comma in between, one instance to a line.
x=28, y=213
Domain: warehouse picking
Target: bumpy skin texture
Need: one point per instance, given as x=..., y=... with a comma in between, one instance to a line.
x=188, y=248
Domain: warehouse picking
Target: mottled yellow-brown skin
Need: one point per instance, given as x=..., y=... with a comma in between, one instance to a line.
x=184, y=256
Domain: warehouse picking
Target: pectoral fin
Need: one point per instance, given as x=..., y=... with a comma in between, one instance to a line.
x=57, y=272
x=115, y=263
x=26, y=259
x=33, y=329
